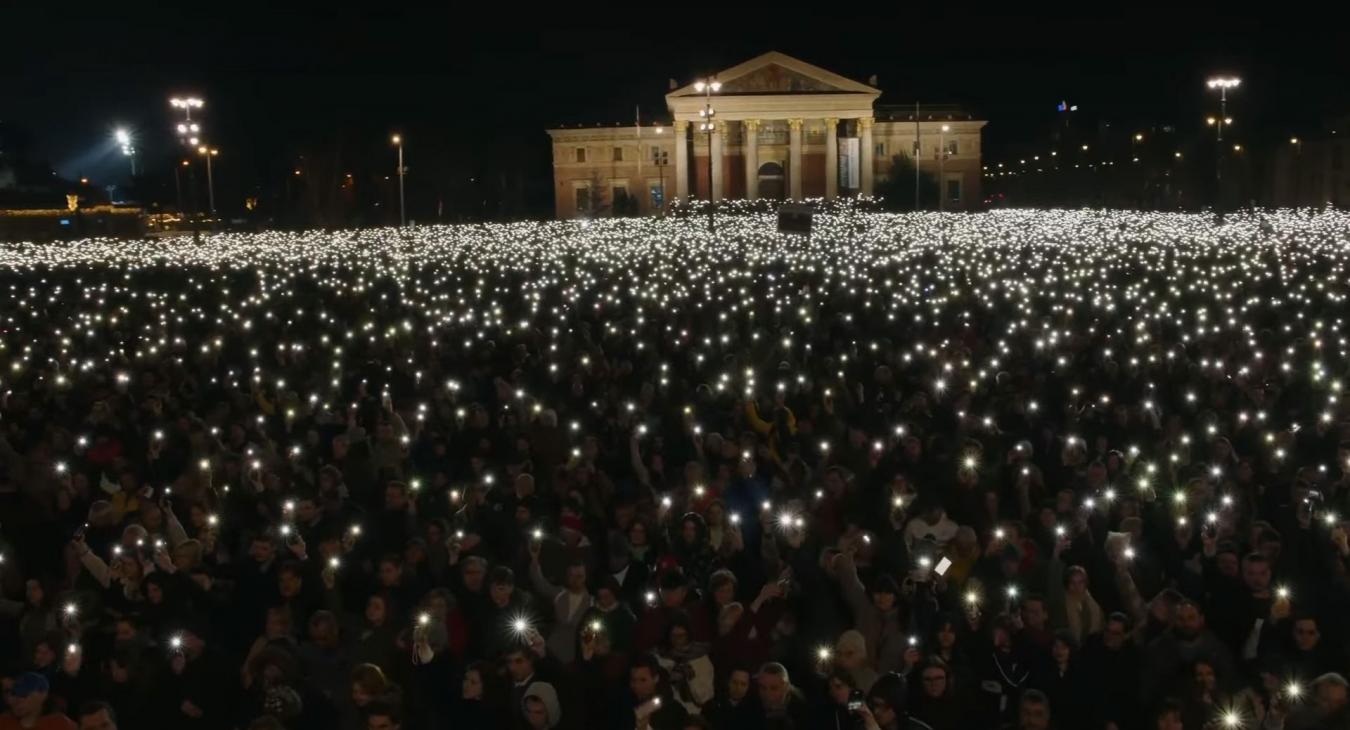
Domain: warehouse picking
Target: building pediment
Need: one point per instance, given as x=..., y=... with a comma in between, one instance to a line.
x=778, y=73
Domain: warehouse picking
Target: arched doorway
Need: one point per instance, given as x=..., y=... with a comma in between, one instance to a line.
x=771, y=181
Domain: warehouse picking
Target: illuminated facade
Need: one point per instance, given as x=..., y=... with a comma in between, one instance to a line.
x=781, y=129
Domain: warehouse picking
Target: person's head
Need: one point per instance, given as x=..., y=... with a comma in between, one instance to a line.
x=839, y=685
x=946, y=636
x=1331, y=691
x=643, y=677
x=368, y=684
x=576, y=577
x=27, y=695
x=1202, y=675
x=383, y=717
x=290, y=580
x=473, y=570
x=395, y=496
x=262, y=548
x=1076, y=581
x=674, y=589
x=1033, y=712
x=1306, y=633
x=391, y=571
x=738, y=684
x=377, y=610
x=501, y=586
x=773, y=686
x=722, y=586
x=1188, y=620
x=1169, y=716
x=540, y=706
x=1062, y=648
x=519, y=664
x=935, y=679
x=1115, y=631
x=884, y=592
x=887, y=698
x=1256, y=573
x=323, y=629
x=850, y=650
x=97, y=716
x=1034, y=614
x=473, y=687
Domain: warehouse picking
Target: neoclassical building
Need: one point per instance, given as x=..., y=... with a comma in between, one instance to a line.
x=781, y=128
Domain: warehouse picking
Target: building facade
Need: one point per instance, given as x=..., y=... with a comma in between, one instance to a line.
x=781, y=129
x=1314, y=170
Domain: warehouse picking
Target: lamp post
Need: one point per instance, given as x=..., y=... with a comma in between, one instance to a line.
x=208, y=153
x=707, y=87
x=123, y=138
x=942, y=159
x=1134, y=146
x=1298, y=169
x=1223, y=84
x=189, y=133
x=402, y=211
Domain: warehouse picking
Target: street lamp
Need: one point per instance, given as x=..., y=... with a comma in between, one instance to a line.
x=942, y=159
x=1223, y=84
x=189, y=133
x=708, y=87
x=1298, y=168
x=402, y=211
x=208, y=153
x=123, y=138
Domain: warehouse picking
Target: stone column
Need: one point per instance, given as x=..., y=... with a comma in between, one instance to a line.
x=831, y=158
x=865, y=131
x=750, y=145
x=795, y=159
x=719, y=140
x=681, y=159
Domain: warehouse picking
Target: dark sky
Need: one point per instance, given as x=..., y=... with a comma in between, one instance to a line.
x=273, y=78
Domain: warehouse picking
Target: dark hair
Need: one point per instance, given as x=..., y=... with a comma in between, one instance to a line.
x=96, y=706
x=1169, y=706
x=502, y=576
x=648, y=662
x=1035, y=697
x=386, y=709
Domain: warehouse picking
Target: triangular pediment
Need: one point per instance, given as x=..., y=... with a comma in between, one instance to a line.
x=778, y=73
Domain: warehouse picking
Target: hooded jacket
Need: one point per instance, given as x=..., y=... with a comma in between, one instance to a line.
x=549, y=696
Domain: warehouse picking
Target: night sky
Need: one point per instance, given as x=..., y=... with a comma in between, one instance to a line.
x=474, y=95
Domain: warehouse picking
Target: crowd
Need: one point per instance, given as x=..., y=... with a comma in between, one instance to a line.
x=1029, y=470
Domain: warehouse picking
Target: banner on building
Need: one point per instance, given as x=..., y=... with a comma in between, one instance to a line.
x=849, y=163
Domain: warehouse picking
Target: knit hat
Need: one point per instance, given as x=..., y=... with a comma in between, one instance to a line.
x=572, y=522
x=851, y=641
x=892, y=689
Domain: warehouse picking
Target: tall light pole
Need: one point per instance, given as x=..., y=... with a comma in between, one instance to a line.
x=208, y=153
x=189, y=133
x=123, y=138
x=1298, y=169
x=402, y=212
x=942, y=160
x=1223, y=84
x=707, y=87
